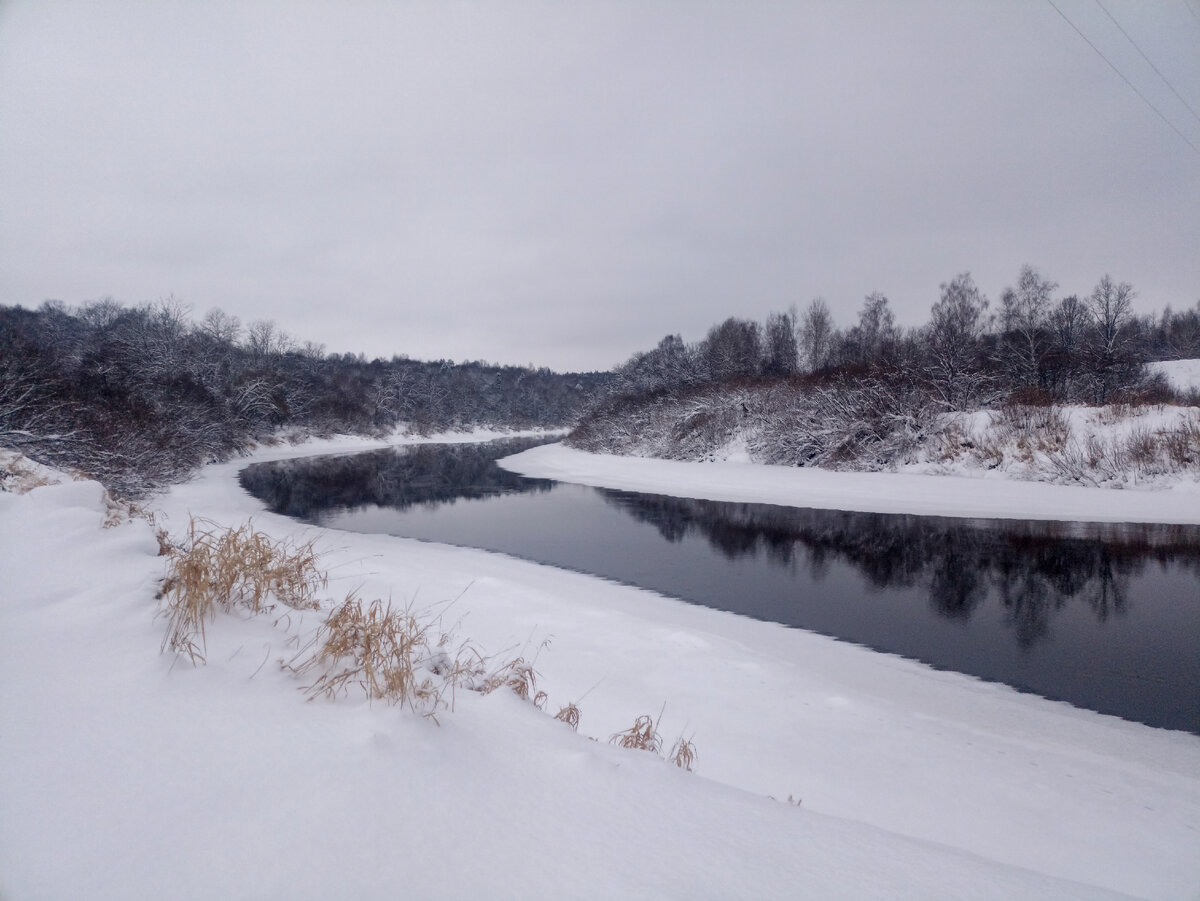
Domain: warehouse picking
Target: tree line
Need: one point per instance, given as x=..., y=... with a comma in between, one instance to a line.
x=802, y=391
x=968, y=353
x=139, y=396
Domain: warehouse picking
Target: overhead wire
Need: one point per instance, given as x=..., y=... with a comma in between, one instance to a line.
x=1132, y=86
x=1149, y=61
x=1192, y=10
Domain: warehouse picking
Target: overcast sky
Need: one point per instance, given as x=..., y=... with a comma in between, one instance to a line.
x=565, y=183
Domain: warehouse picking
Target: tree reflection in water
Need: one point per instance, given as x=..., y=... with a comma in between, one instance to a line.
x=1033, y=568
x=421, y=474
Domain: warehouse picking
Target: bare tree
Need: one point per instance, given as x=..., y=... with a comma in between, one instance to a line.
x=1024, y=320
x=733, y=349
x=670, y=365
x=781, y=351
x=874, y=338
x=1068, y=322
x=1109, y=362
x=816, y=334
x=221, y=326
x=265, y=339
x=1111, y=309
x=952, y=343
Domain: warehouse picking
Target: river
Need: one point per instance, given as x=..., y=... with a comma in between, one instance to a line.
x=1102, y=616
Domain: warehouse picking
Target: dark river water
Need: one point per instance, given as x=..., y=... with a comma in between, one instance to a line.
x=1103, y=616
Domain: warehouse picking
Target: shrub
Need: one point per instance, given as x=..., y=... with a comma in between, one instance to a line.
x=1182, y=445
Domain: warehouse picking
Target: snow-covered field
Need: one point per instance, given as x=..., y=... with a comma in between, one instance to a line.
x=125, y=773
x=1183, y=375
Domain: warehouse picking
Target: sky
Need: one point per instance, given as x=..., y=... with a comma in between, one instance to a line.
x=563, y=184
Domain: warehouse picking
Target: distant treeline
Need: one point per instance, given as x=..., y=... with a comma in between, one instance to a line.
x=138, y=397
x=814, y=393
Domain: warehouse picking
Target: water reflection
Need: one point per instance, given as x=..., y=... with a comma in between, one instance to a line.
x=1033, y=568
x=422, y=474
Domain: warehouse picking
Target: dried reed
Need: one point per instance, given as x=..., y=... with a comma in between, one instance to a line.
x=223, y=568
x=517, y=674
x=641, y=736
x=383, y=650
x=569, y=715
x=683, y=754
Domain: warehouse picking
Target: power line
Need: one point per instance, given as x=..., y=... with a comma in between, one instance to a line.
x=1132, y=87
x=1195, y=15
x=1149, y=61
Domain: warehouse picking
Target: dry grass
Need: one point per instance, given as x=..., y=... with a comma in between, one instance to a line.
x=384, y=651
x=166, y=547
x=569, y=715
x=118, y=510
x=222, y=568
x=1033, y=428
x=1141, y=449
x=394, y=654
x=641, y=736
x=683, y=754
x=17, y=476
x=391, y=654
x=517, y=674
x=1182, y=445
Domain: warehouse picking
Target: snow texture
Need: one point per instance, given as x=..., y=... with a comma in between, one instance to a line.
x=125, y=773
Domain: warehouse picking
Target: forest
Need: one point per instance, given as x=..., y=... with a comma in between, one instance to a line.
x=864, y=396
x=137, y=397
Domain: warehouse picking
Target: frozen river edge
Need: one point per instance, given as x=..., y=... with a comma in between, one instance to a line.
x=991, y=497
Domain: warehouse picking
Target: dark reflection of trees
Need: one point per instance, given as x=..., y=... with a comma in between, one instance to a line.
x=1032, y=568
x=956, y=585
x=428, y=474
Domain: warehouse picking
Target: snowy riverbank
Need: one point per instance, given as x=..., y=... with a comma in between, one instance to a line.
x=128, y=774
x=989, y=495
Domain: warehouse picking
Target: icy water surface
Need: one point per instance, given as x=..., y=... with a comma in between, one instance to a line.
x=1104, y=616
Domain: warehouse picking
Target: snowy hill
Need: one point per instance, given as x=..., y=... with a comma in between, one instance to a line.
x=1183, y=375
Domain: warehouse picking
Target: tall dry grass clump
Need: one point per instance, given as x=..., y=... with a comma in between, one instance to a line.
x=518, y=675
x=382, y=650
x=402, y=656
x=219, y=568
x=641, y=736
x=570, y=714
x=683, y=754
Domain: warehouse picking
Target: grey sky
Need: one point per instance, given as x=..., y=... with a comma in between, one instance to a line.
x=565, y=183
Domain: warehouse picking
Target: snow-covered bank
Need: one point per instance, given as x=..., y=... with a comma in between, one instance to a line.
x=1182, y=375
x=988, y=496
x=123, y=774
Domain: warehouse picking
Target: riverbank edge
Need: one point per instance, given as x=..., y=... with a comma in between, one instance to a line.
x=991, y=496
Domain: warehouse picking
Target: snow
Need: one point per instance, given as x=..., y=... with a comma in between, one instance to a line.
x=127, y=773
x=994, y=495
x=20, y=474
x=1183, y=375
